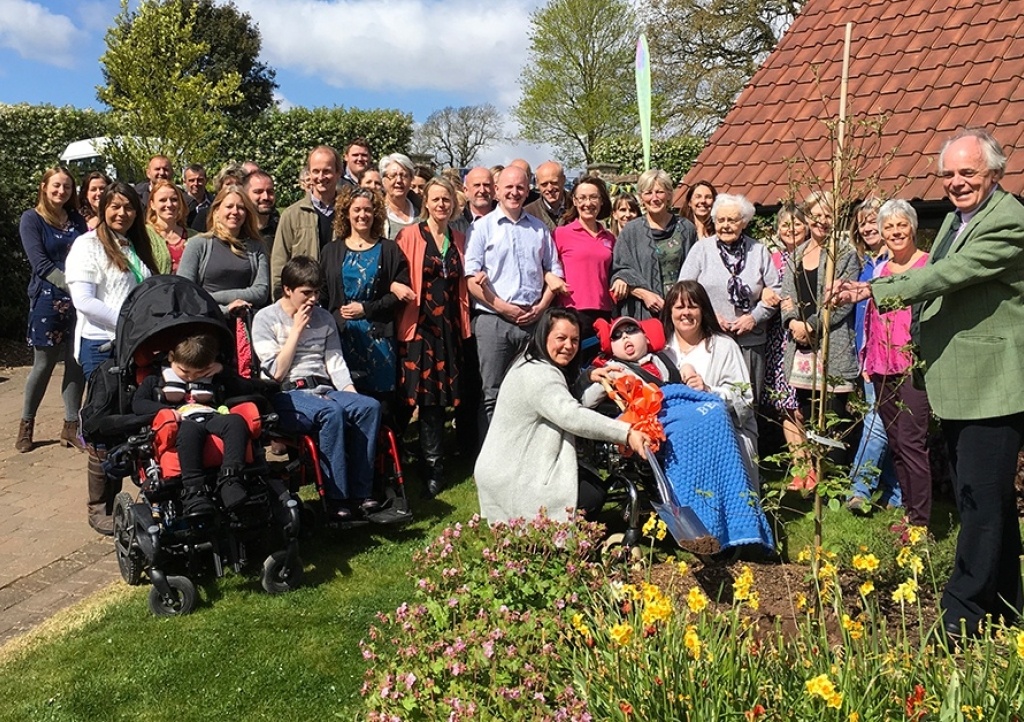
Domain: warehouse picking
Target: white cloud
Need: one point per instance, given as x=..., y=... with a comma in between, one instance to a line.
x=35, y=33
x=462, y=45
x=282, y=102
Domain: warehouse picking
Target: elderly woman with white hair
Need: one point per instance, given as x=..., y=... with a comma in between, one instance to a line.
x=650, y=250
x=735, y=269
x=402, y=207
x=888, y=360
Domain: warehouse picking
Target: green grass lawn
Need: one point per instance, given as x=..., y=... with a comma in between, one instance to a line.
x=247, y=655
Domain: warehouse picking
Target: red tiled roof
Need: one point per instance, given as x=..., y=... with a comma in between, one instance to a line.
x=930, y=68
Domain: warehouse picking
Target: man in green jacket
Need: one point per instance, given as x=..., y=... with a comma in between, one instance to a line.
x=307, y=225
x=971, y=341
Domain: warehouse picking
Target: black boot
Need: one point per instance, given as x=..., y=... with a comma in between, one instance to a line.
x=232, y=490
x=194, y=499
x=432, y=449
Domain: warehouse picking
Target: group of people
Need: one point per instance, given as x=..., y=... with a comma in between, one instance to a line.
x=479, y=295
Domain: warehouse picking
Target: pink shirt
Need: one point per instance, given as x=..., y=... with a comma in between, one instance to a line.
x=587, y=262
x=887, y=335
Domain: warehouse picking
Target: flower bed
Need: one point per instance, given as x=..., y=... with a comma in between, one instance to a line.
x=522, y=622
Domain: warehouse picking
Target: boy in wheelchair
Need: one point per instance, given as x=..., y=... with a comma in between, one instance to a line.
x=189, y=390
x=298, y=345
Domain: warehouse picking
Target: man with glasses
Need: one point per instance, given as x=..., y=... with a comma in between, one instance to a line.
x=306, y=226
x=969, y=304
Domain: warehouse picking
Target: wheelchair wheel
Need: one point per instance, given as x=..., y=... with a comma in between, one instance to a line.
x=182, y=600
x=615, y=550
x=130, y=560
x=276, y=577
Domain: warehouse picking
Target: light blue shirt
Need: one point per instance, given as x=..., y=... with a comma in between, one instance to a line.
x=515, y=255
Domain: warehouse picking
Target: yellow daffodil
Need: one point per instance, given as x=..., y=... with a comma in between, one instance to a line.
x=906, y=592
x=621, y=634
x=804, y=556
x=692, y=642
x=683, y=567
x=853, y=627
x=917, y=533
x=649, y=525
x=696, y=600
x=742, y=587
x=867, y=588
x=865, y=562
x=1020, y=645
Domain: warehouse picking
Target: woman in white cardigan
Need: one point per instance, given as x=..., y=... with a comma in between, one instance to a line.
x=708, y=360
x=528, y=460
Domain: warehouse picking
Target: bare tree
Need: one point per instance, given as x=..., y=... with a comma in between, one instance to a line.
x=455, y=135
x=705, y=51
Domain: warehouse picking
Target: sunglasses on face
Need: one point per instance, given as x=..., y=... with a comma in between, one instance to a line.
x=626, y=330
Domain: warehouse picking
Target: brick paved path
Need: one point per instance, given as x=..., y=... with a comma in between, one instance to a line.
x=49, y=556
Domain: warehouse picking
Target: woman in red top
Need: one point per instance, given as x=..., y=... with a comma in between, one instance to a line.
x=585, y=248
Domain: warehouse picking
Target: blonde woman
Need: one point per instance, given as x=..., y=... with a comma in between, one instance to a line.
x=230, y=261
x=166, y=217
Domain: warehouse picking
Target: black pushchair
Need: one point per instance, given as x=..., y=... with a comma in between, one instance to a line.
x=152, y=535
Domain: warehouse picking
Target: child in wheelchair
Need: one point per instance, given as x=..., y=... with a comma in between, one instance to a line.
x=190, y=390
x=298, y=344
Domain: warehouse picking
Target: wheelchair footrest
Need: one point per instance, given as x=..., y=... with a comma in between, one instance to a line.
x=390, y=517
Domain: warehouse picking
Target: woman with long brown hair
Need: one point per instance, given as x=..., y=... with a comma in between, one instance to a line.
x=47, y=232
x=103, y=267
x=230, y=260
x=89, y=193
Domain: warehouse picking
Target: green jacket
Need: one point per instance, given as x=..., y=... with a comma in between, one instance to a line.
x=972, y=321
x=298, y=234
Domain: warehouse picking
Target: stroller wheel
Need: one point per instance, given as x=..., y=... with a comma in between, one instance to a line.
x=615, y=550
x=278, y=578
x=181, y=601
x=130, y=560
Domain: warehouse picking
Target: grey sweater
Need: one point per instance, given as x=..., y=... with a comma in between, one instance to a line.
x=318, y=352
x=704, y=264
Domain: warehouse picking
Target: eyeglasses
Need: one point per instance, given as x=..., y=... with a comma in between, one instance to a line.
x=625, y=330
x=397, y=174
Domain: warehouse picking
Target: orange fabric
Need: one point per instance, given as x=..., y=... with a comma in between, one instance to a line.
x=641, y=402
x=413, y=245
x=165, y=439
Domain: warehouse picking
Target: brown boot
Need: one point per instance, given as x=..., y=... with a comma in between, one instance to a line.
x=25, y=429
x=99, y=508
x=69, y=436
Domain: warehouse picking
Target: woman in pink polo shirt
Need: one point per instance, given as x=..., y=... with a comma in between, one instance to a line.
x=889, y=359
x=585, y=248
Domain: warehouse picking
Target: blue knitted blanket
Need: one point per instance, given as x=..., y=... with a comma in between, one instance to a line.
x=702, y=461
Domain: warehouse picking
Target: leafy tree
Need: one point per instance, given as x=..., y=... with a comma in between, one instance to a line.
x=455, y=135
x=704, y=52
x=579, y=84
x=235, y=45
x=160, y=99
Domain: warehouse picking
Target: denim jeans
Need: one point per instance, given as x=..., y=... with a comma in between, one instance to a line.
x=874, y=460
x=345, y=425
x=90, y=356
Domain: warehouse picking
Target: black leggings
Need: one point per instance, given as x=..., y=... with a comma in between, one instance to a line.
x=232, y=430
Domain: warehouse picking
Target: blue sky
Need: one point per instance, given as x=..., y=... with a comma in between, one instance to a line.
x=414, y=55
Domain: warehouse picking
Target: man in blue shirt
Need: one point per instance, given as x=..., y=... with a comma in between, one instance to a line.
x=515, y=251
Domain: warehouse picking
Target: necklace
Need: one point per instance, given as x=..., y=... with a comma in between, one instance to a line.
x=358, y=244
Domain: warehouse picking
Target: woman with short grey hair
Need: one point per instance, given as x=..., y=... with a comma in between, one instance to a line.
x=735, y=269
x=650, y=250
x=397, y=171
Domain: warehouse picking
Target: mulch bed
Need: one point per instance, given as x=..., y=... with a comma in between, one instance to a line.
x=14, y=353
x=778, y=586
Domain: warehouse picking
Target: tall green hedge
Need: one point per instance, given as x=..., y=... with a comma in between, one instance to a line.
x=33, y=137
x=675, y=156
x=280, y=140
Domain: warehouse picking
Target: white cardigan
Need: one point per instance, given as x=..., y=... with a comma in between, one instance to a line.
x=528, y=460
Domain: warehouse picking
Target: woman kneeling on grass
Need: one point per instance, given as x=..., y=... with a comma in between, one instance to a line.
x=528, y=460
x=299, y=347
